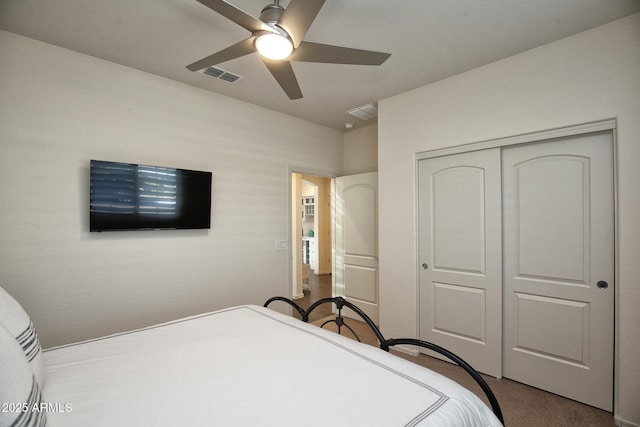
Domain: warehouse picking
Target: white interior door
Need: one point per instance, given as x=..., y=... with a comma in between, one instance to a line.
x=559, y=258
x=356, y=241
x=460, y=256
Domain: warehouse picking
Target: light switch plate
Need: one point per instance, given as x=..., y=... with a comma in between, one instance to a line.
x=280, y=245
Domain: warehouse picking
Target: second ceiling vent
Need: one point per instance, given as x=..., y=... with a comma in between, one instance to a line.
x=364, y=112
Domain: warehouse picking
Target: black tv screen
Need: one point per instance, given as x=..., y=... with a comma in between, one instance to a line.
x=126, y=196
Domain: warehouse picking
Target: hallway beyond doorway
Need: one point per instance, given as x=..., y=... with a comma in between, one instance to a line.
x=319, y=287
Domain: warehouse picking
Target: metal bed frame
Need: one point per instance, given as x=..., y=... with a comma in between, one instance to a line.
x=385, y=344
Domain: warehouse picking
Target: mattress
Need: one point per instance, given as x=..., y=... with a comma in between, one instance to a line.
x=247, y=366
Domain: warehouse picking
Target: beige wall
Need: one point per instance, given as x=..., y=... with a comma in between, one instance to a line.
x=58, y=110
x=361, y=150
x=588, y=77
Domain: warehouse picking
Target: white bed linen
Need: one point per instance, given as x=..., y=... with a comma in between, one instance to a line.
x=247, y=366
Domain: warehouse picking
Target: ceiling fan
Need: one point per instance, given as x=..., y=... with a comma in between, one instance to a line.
x=277, y=36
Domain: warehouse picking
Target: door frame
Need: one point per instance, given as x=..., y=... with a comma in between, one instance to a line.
x=540, y=136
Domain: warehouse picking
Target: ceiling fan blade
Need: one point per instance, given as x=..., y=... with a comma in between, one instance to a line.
x=316, y=52
x=237, y=50
x=298, y=17
x=283, y=73
x=236, y=15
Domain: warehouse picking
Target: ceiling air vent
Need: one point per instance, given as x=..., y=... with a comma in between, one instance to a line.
x=221, y=74
x=365, y=112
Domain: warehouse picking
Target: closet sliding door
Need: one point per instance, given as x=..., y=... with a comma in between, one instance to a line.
x=532, y=225
x=460, y=256
x=559, y=266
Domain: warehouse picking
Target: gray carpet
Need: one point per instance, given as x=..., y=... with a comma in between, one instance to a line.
x=521, y=405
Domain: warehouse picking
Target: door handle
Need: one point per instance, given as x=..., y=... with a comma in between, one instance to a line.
x=602, y=284
x=425, y=265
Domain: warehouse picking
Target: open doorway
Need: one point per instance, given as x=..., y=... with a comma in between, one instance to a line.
x=312, y=238
x=344, y=234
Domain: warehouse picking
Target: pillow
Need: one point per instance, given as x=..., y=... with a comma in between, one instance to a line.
x=19, y=392
x=19, y=324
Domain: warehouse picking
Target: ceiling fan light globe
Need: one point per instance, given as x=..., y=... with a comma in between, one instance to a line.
x=274, y=46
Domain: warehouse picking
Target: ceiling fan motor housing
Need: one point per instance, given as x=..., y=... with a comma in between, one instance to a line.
x=277, y=47
x=271, y=14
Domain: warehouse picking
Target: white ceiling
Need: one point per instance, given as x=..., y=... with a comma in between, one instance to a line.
x=428, y=41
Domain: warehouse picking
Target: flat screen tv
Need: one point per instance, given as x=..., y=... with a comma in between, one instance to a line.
x=126, y=196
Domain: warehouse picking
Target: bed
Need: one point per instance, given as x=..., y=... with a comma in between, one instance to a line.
x=241, y=366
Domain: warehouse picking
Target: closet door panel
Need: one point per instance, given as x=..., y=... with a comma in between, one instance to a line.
x=559, y=266
x=460, y=252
